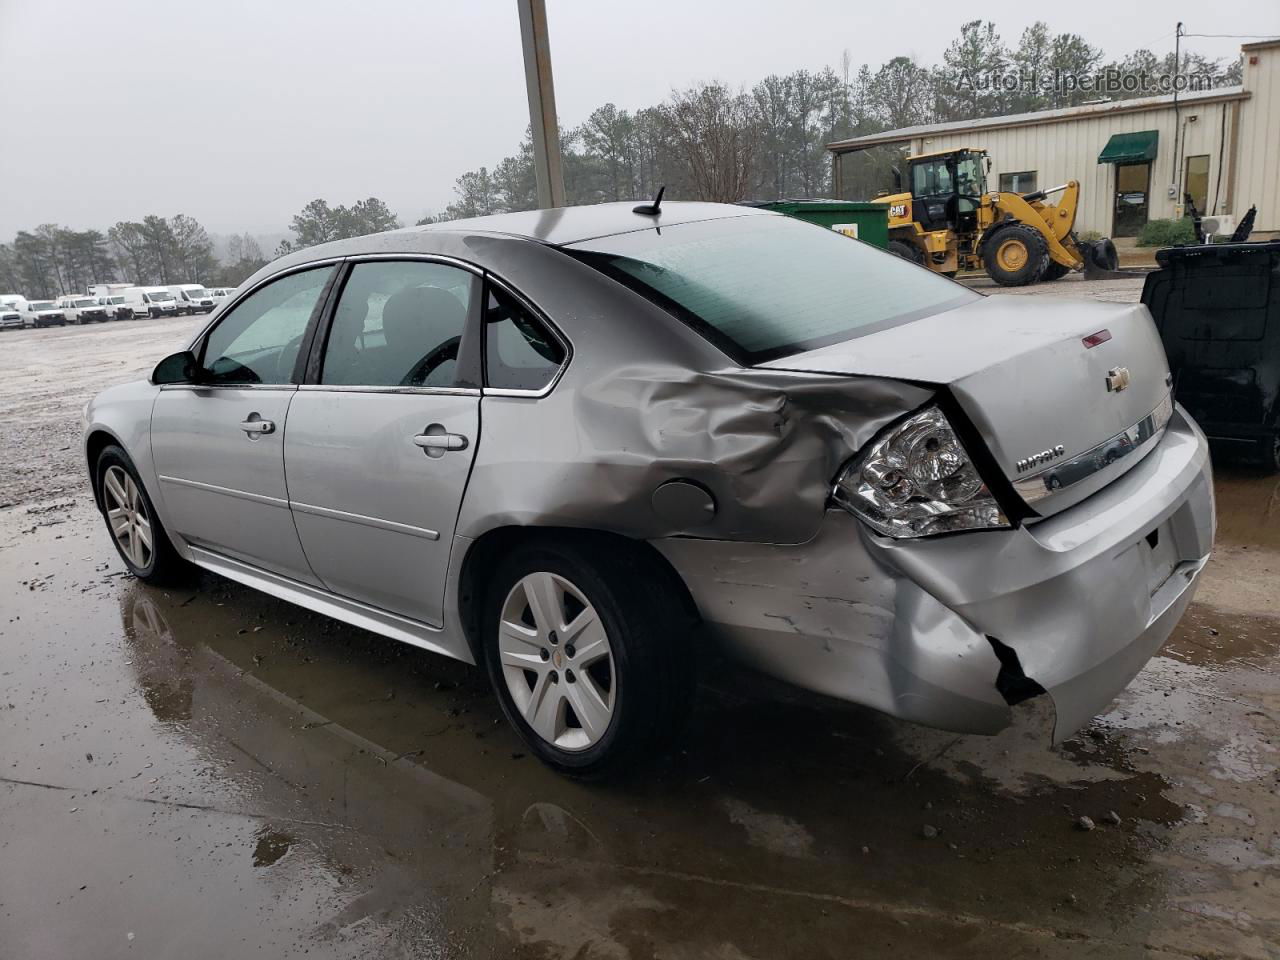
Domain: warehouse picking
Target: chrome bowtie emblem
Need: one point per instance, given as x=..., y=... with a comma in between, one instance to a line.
x=1117, y=379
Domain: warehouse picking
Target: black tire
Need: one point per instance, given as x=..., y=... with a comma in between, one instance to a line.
x=1054, y=271
x=907, y=251
x=950, y=274
x=1028, y=264
x=650, y=635
x=164, y=565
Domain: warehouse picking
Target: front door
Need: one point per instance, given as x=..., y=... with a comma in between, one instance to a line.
x=379, y=449
x=933, y=192
x=1133, y=185
x=218, y=445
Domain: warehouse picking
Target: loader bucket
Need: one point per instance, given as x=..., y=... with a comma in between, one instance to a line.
x=1102, y=263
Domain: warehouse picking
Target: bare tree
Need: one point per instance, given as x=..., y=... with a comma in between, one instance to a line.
x=716, y=131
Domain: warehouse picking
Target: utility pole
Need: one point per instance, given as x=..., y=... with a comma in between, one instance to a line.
x=542, y=103
x=1177, y=163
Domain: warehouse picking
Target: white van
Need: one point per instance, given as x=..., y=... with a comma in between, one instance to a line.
x=115, y=306
x=193, y=298
x=42, y=313
x=82, y=310
x=150, y=302
x=14, y=300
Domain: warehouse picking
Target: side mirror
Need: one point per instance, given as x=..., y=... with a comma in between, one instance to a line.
x=176, y=368
x=897, y=179
x=988, y=163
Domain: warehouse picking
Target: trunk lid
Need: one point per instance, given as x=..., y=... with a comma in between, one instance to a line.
x=1060, y=418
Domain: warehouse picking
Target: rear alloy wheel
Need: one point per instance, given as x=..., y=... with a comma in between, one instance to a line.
x=139, y=537
x=557, y=661
x=1015, y=256
x=589, y=653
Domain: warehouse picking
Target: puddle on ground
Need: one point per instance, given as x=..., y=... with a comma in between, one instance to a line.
x=271, y=846
x=388, y=808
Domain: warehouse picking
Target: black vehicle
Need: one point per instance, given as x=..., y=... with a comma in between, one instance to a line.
x=1217, y=307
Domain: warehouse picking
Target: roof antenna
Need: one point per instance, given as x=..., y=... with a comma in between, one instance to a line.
x=651, y=209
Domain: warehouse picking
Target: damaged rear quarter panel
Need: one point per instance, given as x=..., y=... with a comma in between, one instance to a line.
x=645, y=400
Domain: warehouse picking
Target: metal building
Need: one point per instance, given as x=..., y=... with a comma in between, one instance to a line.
x=1135, y=159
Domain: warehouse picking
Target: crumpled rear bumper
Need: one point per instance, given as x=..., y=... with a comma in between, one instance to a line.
x=1083, y=599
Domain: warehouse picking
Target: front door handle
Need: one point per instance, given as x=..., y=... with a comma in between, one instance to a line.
x=441, y=441
x=255, y=428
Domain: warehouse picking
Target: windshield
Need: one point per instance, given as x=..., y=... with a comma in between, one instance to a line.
x=194, y=294
x=115, y=299
x=42, y=305
x=86, y=303
x=764, y=287
x=970, y=177
x=158, y=297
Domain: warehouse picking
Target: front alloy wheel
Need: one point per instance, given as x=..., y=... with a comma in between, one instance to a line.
x=137, y=532
x=128, y=517
x=557, y=661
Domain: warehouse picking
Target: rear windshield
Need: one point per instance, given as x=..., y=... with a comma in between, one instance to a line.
x=763, y=287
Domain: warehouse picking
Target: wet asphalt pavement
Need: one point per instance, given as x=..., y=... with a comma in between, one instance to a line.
x=209, y=772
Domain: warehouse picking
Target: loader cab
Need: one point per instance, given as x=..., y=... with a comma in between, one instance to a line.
x=947, y=189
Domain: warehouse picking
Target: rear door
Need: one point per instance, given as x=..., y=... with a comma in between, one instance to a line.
x=218, y=445
x=381, y=438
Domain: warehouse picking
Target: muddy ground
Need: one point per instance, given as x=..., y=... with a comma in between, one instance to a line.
x=209, y=772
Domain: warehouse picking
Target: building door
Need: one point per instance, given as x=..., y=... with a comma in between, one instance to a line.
x=1133, y=186
x=1196, y=183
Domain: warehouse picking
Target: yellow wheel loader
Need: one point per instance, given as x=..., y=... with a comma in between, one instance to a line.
x=948, y=222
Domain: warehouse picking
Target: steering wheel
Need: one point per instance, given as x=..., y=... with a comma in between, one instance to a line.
x=290, y=349
x=418, y=374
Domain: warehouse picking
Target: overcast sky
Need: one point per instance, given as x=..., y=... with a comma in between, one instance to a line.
x=238, y=112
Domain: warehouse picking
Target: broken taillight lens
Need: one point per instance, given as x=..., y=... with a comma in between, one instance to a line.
x=916, y=480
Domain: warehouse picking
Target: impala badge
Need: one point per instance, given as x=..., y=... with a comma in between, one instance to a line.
x=1044, y=456
x=1117, y=379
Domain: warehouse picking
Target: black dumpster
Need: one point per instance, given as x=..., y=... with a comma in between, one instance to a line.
x=1217, y=307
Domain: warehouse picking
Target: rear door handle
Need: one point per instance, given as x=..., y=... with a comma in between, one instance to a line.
x=257, y=427
x=441, y=441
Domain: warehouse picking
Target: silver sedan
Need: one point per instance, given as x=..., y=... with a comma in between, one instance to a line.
x=575, y=446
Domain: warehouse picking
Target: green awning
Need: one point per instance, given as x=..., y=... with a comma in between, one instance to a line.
x=1130, y=147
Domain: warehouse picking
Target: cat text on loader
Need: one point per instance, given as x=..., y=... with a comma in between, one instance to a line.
x=949, y=222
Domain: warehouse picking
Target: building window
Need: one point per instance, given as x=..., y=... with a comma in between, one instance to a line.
x=1196, y=182
x=1022, y=182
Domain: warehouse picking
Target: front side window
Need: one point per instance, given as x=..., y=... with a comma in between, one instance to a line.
x=258, y=341
x=931, y=178
x=399, y=324
x=764, y=287
x=519, y=352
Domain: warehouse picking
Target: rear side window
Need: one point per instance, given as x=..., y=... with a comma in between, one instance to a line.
x=520, y=353
x=763, y=287
x=399, y=324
